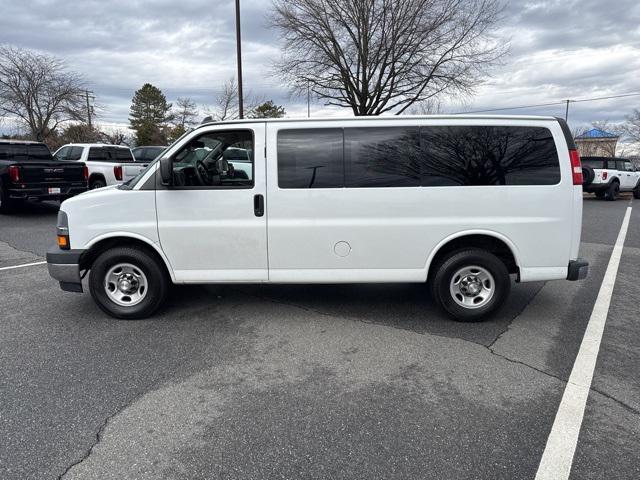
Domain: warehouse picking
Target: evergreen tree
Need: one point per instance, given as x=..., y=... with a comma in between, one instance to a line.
x=149, y=115
x=267, y=110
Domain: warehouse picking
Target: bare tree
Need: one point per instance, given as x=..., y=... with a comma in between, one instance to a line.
x=116, y=136
x=38, y=92
x=185, y=112
x=225, y=106
x=377, y=56
x=631, y=130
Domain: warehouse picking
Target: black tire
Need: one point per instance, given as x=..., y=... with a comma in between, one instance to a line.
x=588, y=175
x=612, y=192
x=97, y=183
x=600, y=194
x=445, y=272
x=154, y=273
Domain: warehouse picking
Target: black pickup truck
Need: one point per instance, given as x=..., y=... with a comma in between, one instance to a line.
x=28, y=171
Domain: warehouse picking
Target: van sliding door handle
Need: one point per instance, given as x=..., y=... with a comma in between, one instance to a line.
x=258, y=205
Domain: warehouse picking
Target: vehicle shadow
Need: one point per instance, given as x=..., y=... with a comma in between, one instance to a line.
x=36, y=209
x=402, y=306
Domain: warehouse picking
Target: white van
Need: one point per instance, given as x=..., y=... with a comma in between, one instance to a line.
x=459, y=202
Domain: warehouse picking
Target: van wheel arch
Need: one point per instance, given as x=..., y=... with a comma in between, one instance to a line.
x=89, y=256
x=492, y=244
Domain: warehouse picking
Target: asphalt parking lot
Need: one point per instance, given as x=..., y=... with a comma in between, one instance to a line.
x=348, y=381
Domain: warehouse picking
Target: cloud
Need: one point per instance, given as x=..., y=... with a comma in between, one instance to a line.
x=560, y=49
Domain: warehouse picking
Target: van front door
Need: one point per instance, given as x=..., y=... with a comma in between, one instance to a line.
x=211, y=220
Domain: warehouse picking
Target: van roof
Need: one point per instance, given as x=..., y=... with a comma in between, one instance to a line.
x=381, y=118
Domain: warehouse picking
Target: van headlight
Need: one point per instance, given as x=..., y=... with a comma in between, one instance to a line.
x=62, y=231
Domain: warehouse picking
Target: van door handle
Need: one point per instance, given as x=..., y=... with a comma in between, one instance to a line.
x=258, y=205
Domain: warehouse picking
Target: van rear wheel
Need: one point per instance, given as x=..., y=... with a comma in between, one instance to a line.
x=470, y=284
x=128, y=283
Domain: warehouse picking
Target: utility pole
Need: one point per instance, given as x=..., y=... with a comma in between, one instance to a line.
x=566, y=115
x=86, y=93
x=239, y=55
x=308, y=100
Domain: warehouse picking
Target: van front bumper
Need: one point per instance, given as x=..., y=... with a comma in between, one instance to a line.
x=64, y=266
x=578, y=269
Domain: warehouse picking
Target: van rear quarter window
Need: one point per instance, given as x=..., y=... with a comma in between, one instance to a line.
x=488, y=155
x=412, y=157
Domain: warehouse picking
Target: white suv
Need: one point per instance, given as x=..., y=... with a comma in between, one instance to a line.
x=607, y=177
x=107, y=164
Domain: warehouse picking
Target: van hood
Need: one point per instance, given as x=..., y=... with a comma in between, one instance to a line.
x=99, y=194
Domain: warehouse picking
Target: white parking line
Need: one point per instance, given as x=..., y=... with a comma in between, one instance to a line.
x=22, y=266
x=561, y=445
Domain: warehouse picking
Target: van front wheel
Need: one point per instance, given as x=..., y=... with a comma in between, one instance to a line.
x=128, y=283
x=470, y=284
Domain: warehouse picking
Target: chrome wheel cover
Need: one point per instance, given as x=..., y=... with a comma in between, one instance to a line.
x=472, y=287
x=125, y=284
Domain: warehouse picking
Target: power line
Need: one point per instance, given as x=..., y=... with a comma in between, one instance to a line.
x=563, y=102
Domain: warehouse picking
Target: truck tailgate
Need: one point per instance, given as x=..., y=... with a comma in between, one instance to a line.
x=130, y=170
x=51, y=172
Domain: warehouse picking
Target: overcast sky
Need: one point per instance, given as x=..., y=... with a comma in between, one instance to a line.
x=559, y=49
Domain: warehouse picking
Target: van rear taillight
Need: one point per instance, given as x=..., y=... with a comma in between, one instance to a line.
x=576, y=167
x=117, y=171
x=14, y=173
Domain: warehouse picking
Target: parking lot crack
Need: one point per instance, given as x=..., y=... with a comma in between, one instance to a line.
x=98, y=437
x=510, y=323
x=624, y=405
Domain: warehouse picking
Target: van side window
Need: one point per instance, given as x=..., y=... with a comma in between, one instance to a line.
x=382, y=157
x=310, y=158
x=222, y=159
x=488, y=155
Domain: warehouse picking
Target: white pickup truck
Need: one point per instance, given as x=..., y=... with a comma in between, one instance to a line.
x=107, y=164
x=607, y=177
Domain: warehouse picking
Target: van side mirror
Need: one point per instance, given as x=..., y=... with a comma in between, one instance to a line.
x=166, y=167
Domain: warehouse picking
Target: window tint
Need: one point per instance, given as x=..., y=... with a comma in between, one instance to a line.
x=121, y=155
x=382, y=157
x=63, y=153
x=21, y=153
x=75, y=153
x=13, y=152
x=482, y=155
x=39, y=152
x=310, y=158
x=619, y=165
x=204, y=161
x=593, y=162
x=98, y=154
x=152, y=153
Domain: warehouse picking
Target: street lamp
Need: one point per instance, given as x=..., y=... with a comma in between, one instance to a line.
x=239, y=55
